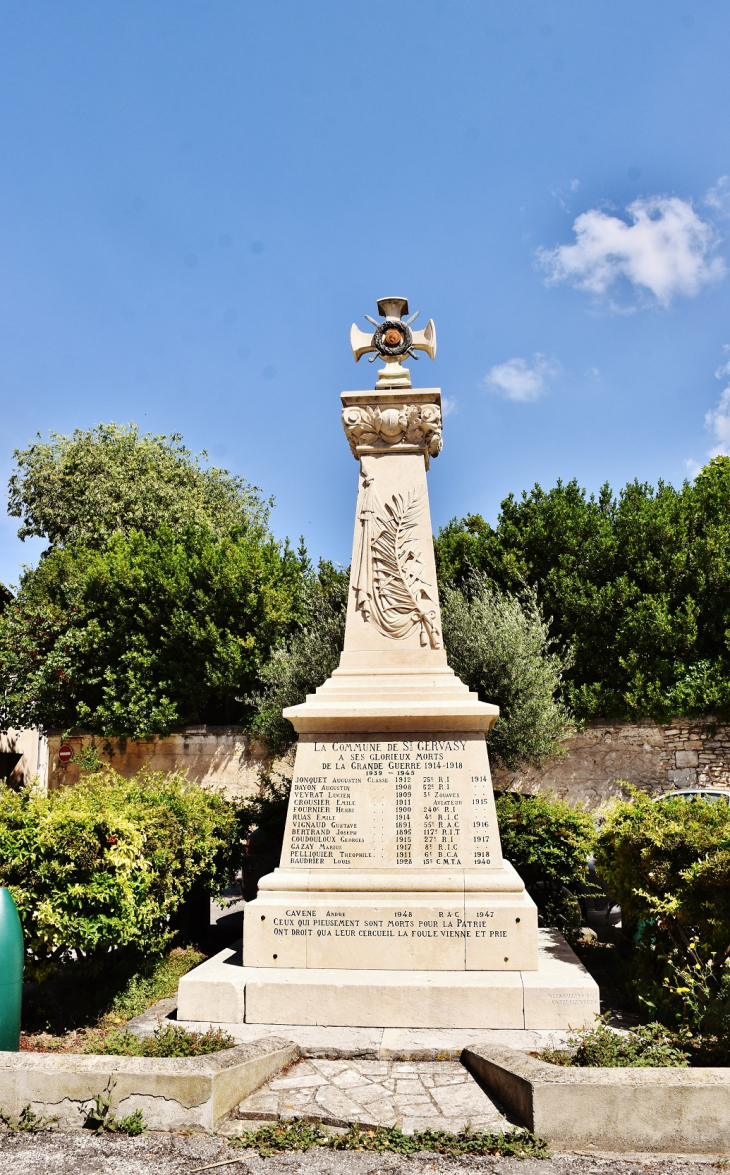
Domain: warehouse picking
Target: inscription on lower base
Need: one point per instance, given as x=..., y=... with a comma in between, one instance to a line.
x=384, y=932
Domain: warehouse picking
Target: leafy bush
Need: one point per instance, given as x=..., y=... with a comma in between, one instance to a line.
x=77, y=997
x=696, y=995
x=500, y=645
x=305, y=660
x=651, y=1045
x=548, y=841
x=262, y=823
x=168, y=1040
x=103, y=865
x=667, y=865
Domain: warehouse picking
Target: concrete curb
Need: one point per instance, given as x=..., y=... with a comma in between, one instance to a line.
x=681, y=1111
x=173, y=1093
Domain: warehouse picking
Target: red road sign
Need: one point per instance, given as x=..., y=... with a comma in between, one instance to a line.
x=65, y=753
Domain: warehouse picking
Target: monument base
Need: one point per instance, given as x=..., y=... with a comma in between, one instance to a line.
x=560, y=994
x=479, y=920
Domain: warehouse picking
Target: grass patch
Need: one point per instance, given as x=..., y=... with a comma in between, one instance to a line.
x=297, y=1135
x=144, y=988
x=64, y=1013
x=168, y=1040
x=27, y=1122
x=651, y=1045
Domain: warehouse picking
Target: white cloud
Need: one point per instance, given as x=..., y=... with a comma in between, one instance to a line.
x=717, y=420
x=724, y=368
x=693, y=467
x=519, y=380
x=718, y=196
x=665, y=250
x=448, y=406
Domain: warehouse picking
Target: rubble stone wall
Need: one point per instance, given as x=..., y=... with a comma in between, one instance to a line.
x=219, y=756
x=655, y=758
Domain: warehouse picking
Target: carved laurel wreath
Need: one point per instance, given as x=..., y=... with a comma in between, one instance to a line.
x=402, y=347
x=401, y=598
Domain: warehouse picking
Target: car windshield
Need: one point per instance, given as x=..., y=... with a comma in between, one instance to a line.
x=712, y=796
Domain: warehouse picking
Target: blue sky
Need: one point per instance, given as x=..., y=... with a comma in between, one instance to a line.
x=197, y=199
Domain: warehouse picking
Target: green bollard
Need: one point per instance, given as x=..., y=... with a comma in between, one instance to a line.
x=11, y=973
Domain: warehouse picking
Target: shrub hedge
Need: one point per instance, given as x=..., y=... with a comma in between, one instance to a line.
x=106, y=863
x=667, y=865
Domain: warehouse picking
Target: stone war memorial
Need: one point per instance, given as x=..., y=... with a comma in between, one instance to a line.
x=393, y=905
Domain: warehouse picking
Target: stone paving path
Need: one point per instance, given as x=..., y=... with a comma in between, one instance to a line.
x=419, y=1095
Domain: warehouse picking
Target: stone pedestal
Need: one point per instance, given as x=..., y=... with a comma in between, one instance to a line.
x=392, y=904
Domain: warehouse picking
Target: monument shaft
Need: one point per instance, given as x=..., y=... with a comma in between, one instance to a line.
x=392, y=857
x=392, y=905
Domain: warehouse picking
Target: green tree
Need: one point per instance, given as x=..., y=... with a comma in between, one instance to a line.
x=150, y=632
x=638, y=586
x=499, y=644
x=86, y=487
x=303, y=662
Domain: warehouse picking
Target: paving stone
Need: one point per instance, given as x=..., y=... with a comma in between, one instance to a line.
x=430, y=1095
x=381, y=1113
x=414, y=1105
x=307, y=1081
x=330, y=1068
x=308, y=1110
x=348, y=1079
x=461, y=1099
x=370, y=1068
x=263, y=1101
x=408, y=1087
x=366, y=1094
x=336, y=1102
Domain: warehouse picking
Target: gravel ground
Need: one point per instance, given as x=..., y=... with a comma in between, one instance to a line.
x=79, y=1153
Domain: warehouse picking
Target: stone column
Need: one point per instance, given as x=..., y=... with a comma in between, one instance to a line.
x=392, y=857
x=392, y=905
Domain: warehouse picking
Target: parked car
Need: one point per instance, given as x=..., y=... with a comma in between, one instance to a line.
x=714, y=794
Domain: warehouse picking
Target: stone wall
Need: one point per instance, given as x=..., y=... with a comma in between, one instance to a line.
x=219, y=756
x=656, y=758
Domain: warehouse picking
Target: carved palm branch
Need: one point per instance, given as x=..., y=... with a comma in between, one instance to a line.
x=401, y=599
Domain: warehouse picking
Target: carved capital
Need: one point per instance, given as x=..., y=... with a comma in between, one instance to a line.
x=397, y=427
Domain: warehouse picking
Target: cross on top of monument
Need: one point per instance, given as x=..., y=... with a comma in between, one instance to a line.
x=393, y=340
